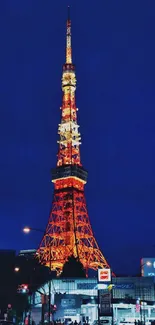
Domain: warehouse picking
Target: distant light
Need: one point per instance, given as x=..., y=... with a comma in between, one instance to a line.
x=101, y=286
x=26, y=230
x=148, y=263
x=16, y=269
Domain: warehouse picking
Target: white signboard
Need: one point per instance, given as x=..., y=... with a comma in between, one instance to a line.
x=104, y=275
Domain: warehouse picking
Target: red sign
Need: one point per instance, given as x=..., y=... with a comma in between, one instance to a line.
x=104, y=275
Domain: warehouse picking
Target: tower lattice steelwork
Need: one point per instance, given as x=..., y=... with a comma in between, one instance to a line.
x=68, y=231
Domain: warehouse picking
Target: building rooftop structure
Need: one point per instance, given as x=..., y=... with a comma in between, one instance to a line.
x=28, y=253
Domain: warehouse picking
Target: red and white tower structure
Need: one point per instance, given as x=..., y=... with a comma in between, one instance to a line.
x=69, y=231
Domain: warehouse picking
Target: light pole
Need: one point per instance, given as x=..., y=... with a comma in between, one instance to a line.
x=27, y=230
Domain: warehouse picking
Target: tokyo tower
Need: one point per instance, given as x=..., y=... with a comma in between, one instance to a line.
x=69, y=232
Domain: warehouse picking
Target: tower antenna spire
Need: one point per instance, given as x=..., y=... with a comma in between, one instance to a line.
x=68, y=39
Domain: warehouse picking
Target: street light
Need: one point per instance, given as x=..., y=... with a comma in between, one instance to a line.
x=27, y=230
x=148, y=263
x=16, y=269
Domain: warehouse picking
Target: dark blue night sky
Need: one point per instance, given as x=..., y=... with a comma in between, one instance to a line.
x=114, y=53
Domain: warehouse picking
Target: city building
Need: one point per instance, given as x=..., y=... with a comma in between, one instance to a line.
x=27, y=253
x=7, y=254
x=133, y=298
x=7, y=277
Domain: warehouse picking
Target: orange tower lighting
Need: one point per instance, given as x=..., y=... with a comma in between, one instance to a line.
x=69, y=231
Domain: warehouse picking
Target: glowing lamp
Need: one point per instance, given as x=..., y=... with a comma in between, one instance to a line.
x=26, y=230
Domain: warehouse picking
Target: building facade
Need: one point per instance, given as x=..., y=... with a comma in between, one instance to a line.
x=133, y=299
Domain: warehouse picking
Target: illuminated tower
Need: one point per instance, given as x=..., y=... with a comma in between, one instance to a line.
x=68, y=231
